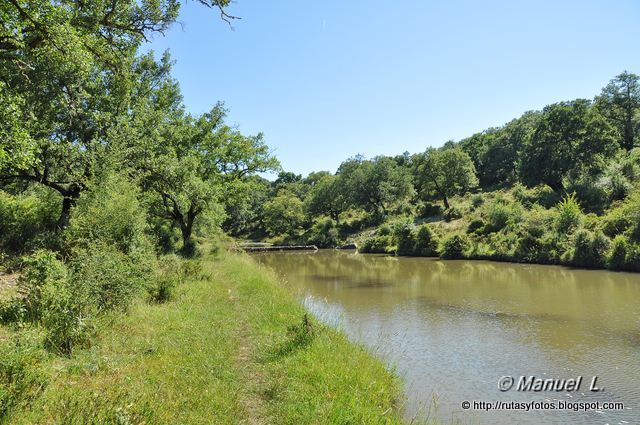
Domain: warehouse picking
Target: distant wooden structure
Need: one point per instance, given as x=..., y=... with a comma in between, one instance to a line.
x=263, y=248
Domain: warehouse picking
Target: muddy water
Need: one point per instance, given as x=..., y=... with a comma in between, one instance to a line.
x=452, y=329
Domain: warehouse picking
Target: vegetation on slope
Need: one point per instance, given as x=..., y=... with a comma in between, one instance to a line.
x=556, y=186
x=233, y=346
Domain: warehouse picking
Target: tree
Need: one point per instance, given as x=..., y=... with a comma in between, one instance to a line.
x=443, y=173
x=620, y=103
x=571, y=138
x=283, y=214
x=192, y=164
x=374, y=185
x=67, y=71
x=328, y=197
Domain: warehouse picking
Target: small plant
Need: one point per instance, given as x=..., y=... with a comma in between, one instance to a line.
x=162, y=289
x=569, y=214
x=21, y=378
x=476, y=226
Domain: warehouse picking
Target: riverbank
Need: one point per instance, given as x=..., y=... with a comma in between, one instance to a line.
x=234, y=346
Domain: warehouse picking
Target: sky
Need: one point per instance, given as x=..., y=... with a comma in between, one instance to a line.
x=327, y=80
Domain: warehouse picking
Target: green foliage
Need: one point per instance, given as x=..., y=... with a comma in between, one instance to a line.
x=443, y=173
x=404, y=237
x=501, y=214
x=42, y=269
x=323, y=233
x=590, y=250
x=454, y=247
x=110, y=213
x=21, y=376
x=27, y=220
x=109, y=278
x=426, y=242
x=283, y=214
x=381, y=244
x=571, y=138
x=619, y=251
x=568, y=215
x=328, y=197
x=476, y=225
x=375, y=185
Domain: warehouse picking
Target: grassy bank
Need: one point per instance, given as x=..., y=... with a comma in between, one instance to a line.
x=231, y=347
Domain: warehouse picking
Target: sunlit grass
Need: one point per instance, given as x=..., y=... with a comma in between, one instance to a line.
x=230, y=348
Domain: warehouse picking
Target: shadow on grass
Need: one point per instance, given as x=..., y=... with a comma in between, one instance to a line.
x=299, y=336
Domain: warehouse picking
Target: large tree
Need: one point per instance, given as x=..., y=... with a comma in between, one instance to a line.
x=442, y=173
x=189, y=165
x=67, y=72
x=570, y=139
x=328, y=196
x=377, y=184
x=620, y=103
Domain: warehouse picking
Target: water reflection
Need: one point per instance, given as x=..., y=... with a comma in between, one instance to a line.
x=452, y=328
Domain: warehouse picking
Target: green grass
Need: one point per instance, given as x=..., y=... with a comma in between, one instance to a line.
x=230, y=348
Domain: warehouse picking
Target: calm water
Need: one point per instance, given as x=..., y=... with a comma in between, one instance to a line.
x=453, y=328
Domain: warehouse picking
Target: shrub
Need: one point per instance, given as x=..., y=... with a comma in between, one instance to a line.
x=477, y=200
x=590, y=194
x=429, y=209
x=569, y=214
x=618, y=256
x=67, y=316
x=426, y=242
x=476, y=226
x=109, y=278
x=27, y=221
x=589, y=249
x=452, y=213
x=384, y=230
x=42, y=269
x=404, y=236
x=377, y=245
x=162, y=288
x=323, y=233
x=545, y=196
x=454, y=247
x=109, y=213
x=21, y=377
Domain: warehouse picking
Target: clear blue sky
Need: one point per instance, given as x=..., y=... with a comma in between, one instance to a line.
x=326, y=80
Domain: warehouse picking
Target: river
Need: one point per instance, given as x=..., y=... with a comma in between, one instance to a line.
x=452, y=329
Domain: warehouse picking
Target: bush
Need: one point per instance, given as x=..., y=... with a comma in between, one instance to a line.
x=27, y=221
x=590, y=194
x=426, y=242
x=110, y=214
x=589, y=249
x=476, y=226
x=42, y=269
x=618, y=258
x=323, y=233
x=452, y=213
x=429, y=209
x=377, y=245
x=404, y=236
x=68, y=318
x=109, y=278
x=162, y=288
x=21, y=377
x=454, y=247
x=569, y=215
x=477, y=200
x=500, y=214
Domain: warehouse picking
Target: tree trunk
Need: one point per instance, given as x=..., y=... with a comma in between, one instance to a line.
x=446, y=202
x=65, y=214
